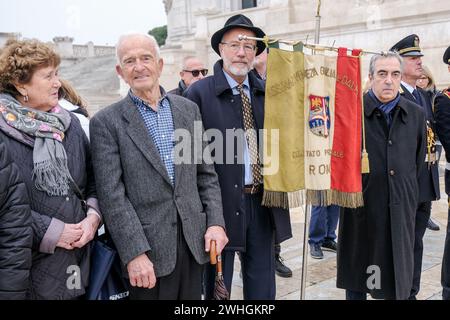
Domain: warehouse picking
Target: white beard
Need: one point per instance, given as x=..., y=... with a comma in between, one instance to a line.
x=240, y=72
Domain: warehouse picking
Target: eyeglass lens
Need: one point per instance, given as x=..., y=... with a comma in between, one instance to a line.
x=195, y=73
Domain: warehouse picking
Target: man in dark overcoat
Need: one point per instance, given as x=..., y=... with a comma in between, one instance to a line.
x=442, y=114
x=409, y=49
x=375, y=252
x=231, y=101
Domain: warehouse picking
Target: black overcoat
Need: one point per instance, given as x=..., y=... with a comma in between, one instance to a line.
x=380, y=236
x=442, y=114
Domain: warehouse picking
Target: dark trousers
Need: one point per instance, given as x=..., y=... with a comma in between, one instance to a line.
x=323, y=224
x=184, y=283
x=445, y=275
x=422, y=217
x=258, y=260
x=277, y=249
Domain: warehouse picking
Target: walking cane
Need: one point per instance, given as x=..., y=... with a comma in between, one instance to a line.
x=305, y=252
x=220, y=291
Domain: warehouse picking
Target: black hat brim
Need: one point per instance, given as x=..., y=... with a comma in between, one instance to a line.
x=446, y=56
x=218, y=35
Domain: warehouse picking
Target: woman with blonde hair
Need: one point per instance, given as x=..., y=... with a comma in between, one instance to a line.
x=426, y=82
x=52, y=152
x=70, y=100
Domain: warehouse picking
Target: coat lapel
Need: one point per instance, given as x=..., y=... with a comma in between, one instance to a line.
x=179, y=122
x=427, y=104
x=408, y=95
x=257, y=89
x=139, y=134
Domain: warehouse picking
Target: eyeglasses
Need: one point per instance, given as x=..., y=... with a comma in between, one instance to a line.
x=235, y=46
x=196, y=73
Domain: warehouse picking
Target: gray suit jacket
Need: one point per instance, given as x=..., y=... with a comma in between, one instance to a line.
x=138, y=202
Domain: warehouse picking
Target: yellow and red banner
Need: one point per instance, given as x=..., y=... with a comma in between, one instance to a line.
x=313, y=102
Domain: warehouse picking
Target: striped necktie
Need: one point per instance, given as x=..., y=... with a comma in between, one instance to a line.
x=250, y=130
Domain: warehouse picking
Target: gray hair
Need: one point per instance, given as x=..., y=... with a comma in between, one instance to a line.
x=186, y=59
x=133, y=35
x=384, y=55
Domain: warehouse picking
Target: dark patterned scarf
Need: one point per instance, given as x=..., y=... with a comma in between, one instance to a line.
x=386, y=107
x=50, y=171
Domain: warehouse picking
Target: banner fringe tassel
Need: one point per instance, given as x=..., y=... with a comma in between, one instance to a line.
x=275, y=199
x=320, y=198
x=296, y=199
x=324, y=198
x=365, y=167
x=347, y=199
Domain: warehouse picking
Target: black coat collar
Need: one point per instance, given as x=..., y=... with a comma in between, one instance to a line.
x=370, y=105
x=408, y=95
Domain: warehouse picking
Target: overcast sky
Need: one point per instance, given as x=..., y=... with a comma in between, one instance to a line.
x=100, y=21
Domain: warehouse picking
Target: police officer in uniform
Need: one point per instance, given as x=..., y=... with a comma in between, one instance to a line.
x=411, y=53
x=442, y=114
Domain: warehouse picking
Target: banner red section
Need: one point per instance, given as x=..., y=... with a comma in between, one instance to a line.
x=346, y=151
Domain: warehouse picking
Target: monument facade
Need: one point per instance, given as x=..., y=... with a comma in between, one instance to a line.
x=373, y=25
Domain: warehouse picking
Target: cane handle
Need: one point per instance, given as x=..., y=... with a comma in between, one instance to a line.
x=213, y=252
x=219, y=264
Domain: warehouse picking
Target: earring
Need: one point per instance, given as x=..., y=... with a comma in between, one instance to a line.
x=25, y=98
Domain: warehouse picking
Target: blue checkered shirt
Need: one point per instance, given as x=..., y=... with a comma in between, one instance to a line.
x=160, y=127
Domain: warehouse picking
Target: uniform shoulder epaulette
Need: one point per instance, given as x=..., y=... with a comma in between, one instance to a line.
x=446, y=92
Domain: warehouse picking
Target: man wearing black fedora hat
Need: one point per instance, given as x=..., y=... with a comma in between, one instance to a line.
x=442, y=114
x=232, y=101
x=409, y=49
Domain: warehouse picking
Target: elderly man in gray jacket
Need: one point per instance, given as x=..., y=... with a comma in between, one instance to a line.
x=161, y=212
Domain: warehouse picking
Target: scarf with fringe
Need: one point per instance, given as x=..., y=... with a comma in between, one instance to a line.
x=50, y=171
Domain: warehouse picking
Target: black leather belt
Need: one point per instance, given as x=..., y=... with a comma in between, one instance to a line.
x=252, y=188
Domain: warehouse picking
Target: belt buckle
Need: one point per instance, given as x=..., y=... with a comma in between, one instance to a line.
x=255, y=188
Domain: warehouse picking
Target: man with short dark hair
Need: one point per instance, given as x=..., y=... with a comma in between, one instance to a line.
x=409, y=50
x=192, y=70
x=442, y=114
x=375, y=251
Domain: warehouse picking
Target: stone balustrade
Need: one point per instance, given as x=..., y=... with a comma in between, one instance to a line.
x=66, y=48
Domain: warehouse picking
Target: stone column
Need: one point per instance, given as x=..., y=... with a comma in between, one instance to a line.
x=91, y=49
x=177, y=22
